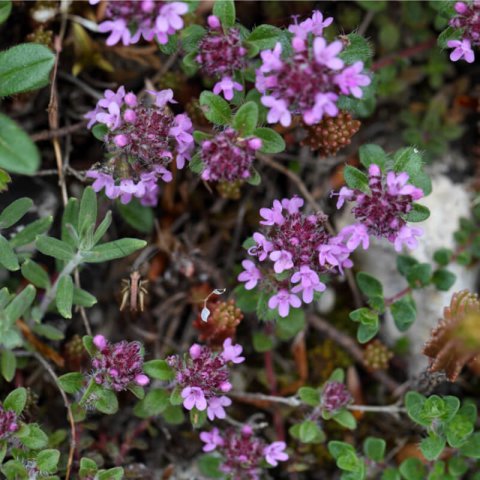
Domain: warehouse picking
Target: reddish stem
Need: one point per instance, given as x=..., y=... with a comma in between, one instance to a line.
x=398, y=296
x=272, y=382
x=127, y=443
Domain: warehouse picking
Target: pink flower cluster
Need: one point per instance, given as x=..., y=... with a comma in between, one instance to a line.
x=130, y=20
x=203, y=377
x=119, y=365
x=141, y=140
x=228, y=157
x=381, y=212
x=243, y=452
x=8, y=423
x=308, y=81
x=468, y=21
x=300, y=249
x=220, y=54
x=335, y=396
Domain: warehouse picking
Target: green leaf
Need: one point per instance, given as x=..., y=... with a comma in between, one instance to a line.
x=255, y=179
x=115, y=473
x=246, y=118
x=422, y=181
x=64, y=296
x=405, y=263
x=87, y=341
x=106, y=402
x=14, y=469
x=443, y=279
x=407, y=160
x=372, y=154
x=448, y=34
x=471, y=448
x=20, y=303
x=5, y=9
x=16, y=400
x=159, y=369
x=176, y=397
x=404, y=314
x=7, y=256
x=216, y=109
x=83, y=298
x=209, y=466
x=197, y=417
x=272, y=142
x=47, y=460
x=18, y=154
x=369, y=285
x=345, y=419
x=458, y=430
x=309, y=432
x=137, y=216
x=357, y=49
x=374, y=448
x=369, y=323
x=191, y=36
x=309, y=396
x=87, y=467
x=264, y=37
x=432, y=446
x=69, y=221
x=355, y=179
x=31, y=231
x=154, y=403
x=113, y=250
x=246, y=300
x=25, y=67
x=8, y=365
x=457, y=466
x=443, y=256
x=54, y=248
x=48, y=331
x=174, y=415
x=289, y=326
x=171, y=46
x=200, y=136
x=373, y=5
x=225, y=11
x=71, y=382
x=419, y=275
x=196, y=164
x=419, y=213
x=87, y=214
x=262, y=342
x=102, y=228
x=413, y=469
x=99, y=131
x=35, y=274
x=14, y=212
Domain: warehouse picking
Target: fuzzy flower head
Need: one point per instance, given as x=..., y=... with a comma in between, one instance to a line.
x=335, y=396
x=141, y=139
x=127, y=21
x=242, y=452
x=467, y=22
x=381, y=212
x=227, y=157
x=202, y=377
x=117, y=366
x=293, y=251
x=8, y=423
x=308, y=81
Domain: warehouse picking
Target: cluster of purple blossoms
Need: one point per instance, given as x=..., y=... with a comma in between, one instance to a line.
x=300, y=248
x=8, y=423
x=309, y=81
x=203, y=377
x=335, y=396
x=220, y=54
x=243, y=453
x=381, y=212
x=130, y=20
x=468, y=21
x=228, y=157
x=141, y=140
x=118, y=366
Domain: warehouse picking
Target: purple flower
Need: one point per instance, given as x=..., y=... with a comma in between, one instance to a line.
x=278, y=110
x=282, y=260
x=272, y=215
x=211, y=439
x=355, y=235
x=327, y=54
x=215, y=407
x=194, y=397
x=262, y=247
x=271, y=59
x=112, y=119
x=251, y=275
x=182, y=132
x=282, y=301
x=351, y=79
x=170, y=18
x=335, y=396
x=407, y=236
x=325, y=103
x=118, y=31
x=292, y=205
x=163, y=97
x=103, y=180
x=345, y=193
x=100, y=342
x=227, y=85
x=309, y=283
x=8, y=423
x=231, y=353
x=314, y=25
x=462, y=49
x=275, y=452
x=397, y=185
